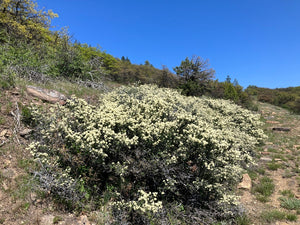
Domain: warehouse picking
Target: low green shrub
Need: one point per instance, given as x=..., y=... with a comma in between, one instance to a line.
x=7, y=78
x=290, y=203
x=275, y=215
x=154, y=146
x=273, y=165
x=287, y=193
x=264, y=189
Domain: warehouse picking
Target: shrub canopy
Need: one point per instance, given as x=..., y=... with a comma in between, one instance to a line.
x=152, y=141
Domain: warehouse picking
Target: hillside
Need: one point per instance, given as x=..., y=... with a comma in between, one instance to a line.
x=23, y=203
x=134, y=144
x=288, y=98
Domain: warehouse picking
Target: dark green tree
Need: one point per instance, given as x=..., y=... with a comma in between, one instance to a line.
x=195, y=69
x=194, y=75
x=230, y=92
x=228, y=79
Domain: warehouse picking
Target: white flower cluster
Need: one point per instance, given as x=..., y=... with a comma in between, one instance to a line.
x=205, y=139
x=147, y=202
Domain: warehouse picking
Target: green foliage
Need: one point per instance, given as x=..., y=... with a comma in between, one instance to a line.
x=57, y=219
x=194, y=69
x=230, y=92
x=194, y=75
x=192, y=88
x=127, y=73
x=26, y=115
x=273, y=165
x=288, y=193
x=291, y=217
x=23, y=19
x=167, y=79
x=243, y=220
x=290, y=203
x=122, y=142
x=285, y=97
x=7, y=78
x=2, y=120
x=264, y=189
x=275, y=215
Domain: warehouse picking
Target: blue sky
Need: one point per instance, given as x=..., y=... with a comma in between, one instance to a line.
x=255, y=41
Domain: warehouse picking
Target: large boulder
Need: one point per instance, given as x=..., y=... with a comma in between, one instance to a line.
x=51, y=96
x=246, y=182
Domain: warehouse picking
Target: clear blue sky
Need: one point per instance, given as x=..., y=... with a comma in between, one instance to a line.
x=255, y=41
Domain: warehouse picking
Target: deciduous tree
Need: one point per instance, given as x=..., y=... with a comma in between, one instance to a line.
x=22, y=18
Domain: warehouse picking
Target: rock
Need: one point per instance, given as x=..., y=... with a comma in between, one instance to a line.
x=8, y=133
x=277, y=160
x=266, y=159
x=25, y=132
x=3, y=133
x=246, y=182
x=272, y=122
x=286, y=129
x=265, y=153
x=51, y=96
x=288, y=151
x=84, y=220
x=4, y=186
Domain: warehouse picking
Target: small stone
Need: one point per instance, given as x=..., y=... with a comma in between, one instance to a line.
x=277, y=160
x=288, y=151
x=265, y=153
x=266, y=159
x=84, y=220
x=272, y=122
x=246, y=182
x=3, y=133
x=25, y=132
x=5, y=187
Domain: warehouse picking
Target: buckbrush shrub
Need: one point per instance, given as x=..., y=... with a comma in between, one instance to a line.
x=154, y=145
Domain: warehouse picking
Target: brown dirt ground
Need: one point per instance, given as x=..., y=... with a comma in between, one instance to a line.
x=285, y=144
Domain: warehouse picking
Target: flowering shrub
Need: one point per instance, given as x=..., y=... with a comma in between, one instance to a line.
x=145, y=140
